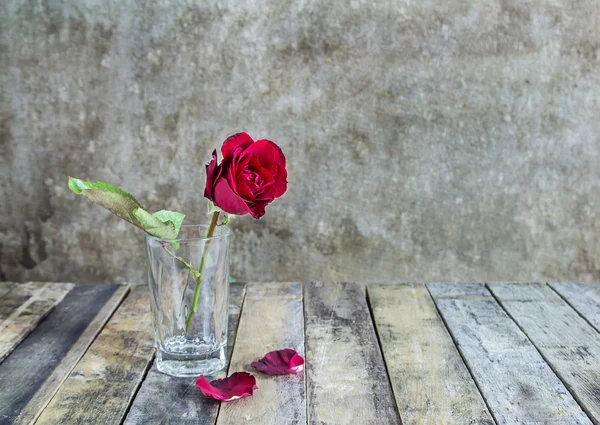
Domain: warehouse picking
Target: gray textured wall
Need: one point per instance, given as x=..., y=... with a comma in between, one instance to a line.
x=458, y=141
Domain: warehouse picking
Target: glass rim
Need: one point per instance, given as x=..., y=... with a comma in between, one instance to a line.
x=224, y=233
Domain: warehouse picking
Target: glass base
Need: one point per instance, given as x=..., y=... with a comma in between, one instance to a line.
x=190, y=360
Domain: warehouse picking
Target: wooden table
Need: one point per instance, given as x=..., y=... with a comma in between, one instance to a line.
x=440, y=353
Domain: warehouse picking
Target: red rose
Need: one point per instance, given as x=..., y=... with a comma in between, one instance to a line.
x=248, y=178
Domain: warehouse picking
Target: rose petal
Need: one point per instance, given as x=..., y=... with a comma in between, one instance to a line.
x=229, y=172
x=212, y=172
x=238, y=385
x=257, y=209
x=270, y=156
x=267, y=152
x=242, y=187
x=255, y=166
x=239, y=140
x=282, y=362
x=228, y=200
x=280, y=182
x=278, y=156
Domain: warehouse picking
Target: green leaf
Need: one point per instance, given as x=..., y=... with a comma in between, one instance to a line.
x=163, y=228
x=163, y=224
x=170, y=217
x=108, y=196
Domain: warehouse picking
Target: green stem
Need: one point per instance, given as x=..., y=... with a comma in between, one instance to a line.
x=209, y=234
x=178, y=258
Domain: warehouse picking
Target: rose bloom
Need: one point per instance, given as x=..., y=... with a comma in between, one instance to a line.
x=250, y=176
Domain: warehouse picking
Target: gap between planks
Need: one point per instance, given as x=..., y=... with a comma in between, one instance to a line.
x=347, y=382
x=565, y=340
x=166, y=399
x=271, y=319
x=138, y=388
x=39, y=299
x=99, y=389
x=460, y=353
x=586, y=304
x=380, y=346
x=518, y=384
x=231, y=345
x=40, y=364
x=431, y=382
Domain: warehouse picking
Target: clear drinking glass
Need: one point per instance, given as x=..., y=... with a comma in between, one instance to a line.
x=187, y=343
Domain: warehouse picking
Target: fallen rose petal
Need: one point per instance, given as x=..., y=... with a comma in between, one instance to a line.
x=282, y=362
x=238, y=385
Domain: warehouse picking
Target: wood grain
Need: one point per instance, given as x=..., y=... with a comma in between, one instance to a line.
x=431, y=383
x=6, y=307
x=517, y=384
x=51, y=385
x=101, y=386
x=46, y=356
x=566, y=341
x=6, y=287
x=16, y=294
x=40, y=298
x=583, y=297
x=346, y=378
x=164, y=399
x=272, y=319
x=441, y=290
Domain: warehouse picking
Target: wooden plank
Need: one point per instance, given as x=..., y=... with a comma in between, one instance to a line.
x=583, y=297
x=164, y=399
x=6, y=287
x=34, y=368
x=51, y=385
x=430, y=381
x=517, y=384
x=41, y=299
x=566, y=341
x=346, y=378
x=272, y=319
x=101, y=386
x=463, y=290
x=16, y=297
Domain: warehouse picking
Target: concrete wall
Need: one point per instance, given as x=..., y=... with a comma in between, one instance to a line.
x=454, y=141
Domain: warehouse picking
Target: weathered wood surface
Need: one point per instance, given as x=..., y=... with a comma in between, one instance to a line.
x=583, y=297
x=50, y=386
x=346, y=378
x=33, y=371
x=74, y=368
x=272, y=319
x=16, y=294
x=41, y=298
x=14, y=297
x=101, y=386
x=517, y=384
x=569, y=344
x=6, y=307
x=431, y=383
x=164, y=399
x=6, y=287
